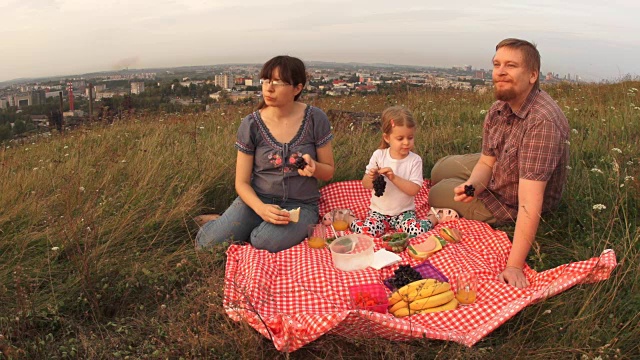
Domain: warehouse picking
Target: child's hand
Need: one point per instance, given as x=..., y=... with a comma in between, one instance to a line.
x=372, y=173
x=388, y=172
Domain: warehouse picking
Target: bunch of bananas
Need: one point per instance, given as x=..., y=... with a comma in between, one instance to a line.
x=422, y=296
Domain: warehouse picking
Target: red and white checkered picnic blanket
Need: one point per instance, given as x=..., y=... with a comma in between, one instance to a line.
x=295, y=296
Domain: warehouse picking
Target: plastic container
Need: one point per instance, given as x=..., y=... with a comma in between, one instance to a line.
x=396, y=242
x=427, y=271
x=352, y=252
x=371, y=297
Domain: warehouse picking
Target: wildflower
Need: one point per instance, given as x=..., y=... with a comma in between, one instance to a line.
x=34, y=169
x=596, y=170
x=567, y=142
x=599, y=207
x=124, y=161
x=66, y=154
x=617, y=150
x=575, y=131
x=575, y=109
x=628, y=178
x=482, y=112
x=569, y=167
x=201, y=127
x=630, y=162
x=65, y=147
x=81, y=188
x=55, y=248
x=622, y=185
x=547, y=312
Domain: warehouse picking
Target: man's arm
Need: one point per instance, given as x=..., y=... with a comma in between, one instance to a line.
x=480, y=177
x=530, y=198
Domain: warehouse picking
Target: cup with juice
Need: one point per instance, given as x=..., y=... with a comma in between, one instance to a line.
x=317, y=236
x=466, y=288
x=341, y=218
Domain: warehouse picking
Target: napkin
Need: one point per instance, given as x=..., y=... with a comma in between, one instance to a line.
x=382, y=258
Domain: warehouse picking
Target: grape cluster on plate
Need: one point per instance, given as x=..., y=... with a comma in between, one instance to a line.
x=379, y=185
x=300, y=163
x=404, y=275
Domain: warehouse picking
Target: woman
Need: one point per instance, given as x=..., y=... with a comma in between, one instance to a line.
x=268, y=182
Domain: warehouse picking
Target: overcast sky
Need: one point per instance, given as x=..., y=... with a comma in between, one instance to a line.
x=593, y=39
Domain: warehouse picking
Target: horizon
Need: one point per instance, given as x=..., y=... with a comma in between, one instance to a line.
x=69, y=37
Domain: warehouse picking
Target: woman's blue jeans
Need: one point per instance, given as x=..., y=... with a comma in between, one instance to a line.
x=240, y=223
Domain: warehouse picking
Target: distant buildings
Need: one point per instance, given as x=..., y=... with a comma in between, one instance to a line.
x=225, y=81
x=35, y=97
x=137, y=87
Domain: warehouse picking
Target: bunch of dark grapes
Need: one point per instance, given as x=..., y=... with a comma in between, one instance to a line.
x=404, y=275
x=379, y=185
x=469, y=190
x=300, y=163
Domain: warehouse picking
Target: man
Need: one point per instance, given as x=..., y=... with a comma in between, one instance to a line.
x=522, y=169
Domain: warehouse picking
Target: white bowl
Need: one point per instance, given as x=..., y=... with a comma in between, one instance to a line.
x=352, y=252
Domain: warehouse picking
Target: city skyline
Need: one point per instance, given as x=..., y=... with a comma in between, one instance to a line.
x=64, y=37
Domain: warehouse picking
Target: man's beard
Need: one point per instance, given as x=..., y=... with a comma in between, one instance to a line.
x=505, y=94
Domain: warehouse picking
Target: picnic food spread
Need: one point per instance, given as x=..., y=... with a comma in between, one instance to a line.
x=395, y=242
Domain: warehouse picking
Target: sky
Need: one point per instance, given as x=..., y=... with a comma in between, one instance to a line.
x=593, y=39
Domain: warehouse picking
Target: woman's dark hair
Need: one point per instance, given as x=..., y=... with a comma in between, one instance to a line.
x=292, y=70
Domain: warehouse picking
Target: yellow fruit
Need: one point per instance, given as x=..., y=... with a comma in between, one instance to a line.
x=399, y=294
x=402, y=312
x=451, y=305
x=426, y=291
x=432, y=301
x=400, y=304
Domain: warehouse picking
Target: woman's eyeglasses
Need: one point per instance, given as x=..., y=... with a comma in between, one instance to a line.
x=273, y=82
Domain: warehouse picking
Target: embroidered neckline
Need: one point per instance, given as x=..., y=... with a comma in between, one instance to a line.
x=297, y=138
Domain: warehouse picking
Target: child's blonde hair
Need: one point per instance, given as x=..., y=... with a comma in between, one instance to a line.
x=395, y=116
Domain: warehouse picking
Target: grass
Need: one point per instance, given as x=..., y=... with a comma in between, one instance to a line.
x=97, y=254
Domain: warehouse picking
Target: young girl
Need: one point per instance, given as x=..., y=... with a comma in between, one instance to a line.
x=401, y=170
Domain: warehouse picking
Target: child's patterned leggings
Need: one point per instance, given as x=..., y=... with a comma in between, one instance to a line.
x=377, y=224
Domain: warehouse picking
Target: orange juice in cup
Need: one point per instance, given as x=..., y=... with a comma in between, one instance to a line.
x=317, y=236
x=467, y=287
x=340, y=219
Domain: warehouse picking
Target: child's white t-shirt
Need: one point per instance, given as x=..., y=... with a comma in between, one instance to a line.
x=394, y=201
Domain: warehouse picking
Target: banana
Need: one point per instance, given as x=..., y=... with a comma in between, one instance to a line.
x=405, y=311
x=451, y=305
x=426, y=291
x=432, y=301
x=400, y=304
x=399, y=294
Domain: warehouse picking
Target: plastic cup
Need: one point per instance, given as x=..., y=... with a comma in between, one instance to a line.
x=340, y=219
x=466, y=288
x=317, y=236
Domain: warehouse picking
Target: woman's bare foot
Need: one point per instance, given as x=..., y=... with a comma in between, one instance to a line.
x=203, y=219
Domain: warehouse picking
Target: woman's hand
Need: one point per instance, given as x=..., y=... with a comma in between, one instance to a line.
x=388, y=172
x=310, y=168
x=273, y=214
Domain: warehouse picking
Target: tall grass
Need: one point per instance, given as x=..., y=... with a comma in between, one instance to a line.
x=96, y=234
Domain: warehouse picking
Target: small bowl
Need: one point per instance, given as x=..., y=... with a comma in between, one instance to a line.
x=371, y=297
x=352, y=252
x=396, y=242
x=425, y=249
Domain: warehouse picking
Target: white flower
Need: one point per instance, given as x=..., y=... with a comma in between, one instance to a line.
x=124, y=161
x=617, y=150
x=569, y=167
x=630, y=162
x=66, y=154
x=628, y=178
x=599, y=207
x=81, y=188
x=65, y=147
x=201, y=127
x=575, y=131
x=34, y=169
x=575, y=109
x=567, y=142
x=547, y=312
x=55, y=248
x=622, y=185
x=596, y=170
x=482, y=112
